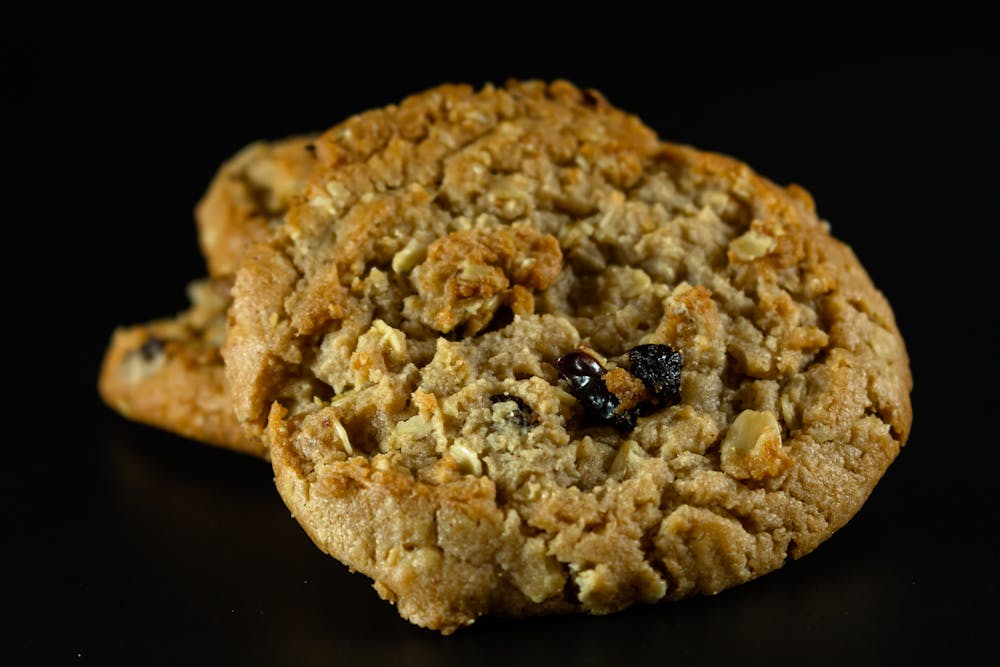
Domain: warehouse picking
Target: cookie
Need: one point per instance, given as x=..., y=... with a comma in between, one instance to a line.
x=247, y=197
x=168, y=373
x=512, y=354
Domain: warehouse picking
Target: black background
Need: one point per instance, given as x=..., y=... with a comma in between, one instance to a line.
x=124, y=544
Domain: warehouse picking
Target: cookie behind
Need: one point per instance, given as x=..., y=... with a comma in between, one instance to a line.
x=168, y=373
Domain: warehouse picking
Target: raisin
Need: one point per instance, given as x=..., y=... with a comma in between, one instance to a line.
x=524, y=416
x=658, y=367
x=503, y=398
x=585, y=377
x=152, y=348
x=579, y=368
x=601, y=405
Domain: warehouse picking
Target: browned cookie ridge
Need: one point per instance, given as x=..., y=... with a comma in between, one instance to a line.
x=398, y=342
x=168, y=373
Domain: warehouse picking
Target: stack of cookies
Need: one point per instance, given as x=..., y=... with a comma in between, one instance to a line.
x=510, y=353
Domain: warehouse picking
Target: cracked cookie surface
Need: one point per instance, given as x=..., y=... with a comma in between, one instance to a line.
x=168, y=373
x=396, y=345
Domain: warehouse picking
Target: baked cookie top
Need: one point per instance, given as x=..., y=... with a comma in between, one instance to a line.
x=513, y=354
x=247, y=197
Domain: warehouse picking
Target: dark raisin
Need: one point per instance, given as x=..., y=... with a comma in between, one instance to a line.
x=601, y=405
x=627, y=419
x=311, y=149
x=503, y=398
x=152, y=348
x=579, y=367
x=524, y=416
x=658, y=367
x=585, y=377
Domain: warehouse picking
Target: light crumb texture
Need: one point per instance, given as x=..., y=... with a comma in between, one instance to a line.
x=396, y=341
x=168, y=373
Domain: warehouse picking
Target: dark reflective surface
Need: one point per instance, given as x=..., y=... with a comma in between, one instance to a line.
x=128, y=545
x=176, y=551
